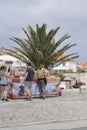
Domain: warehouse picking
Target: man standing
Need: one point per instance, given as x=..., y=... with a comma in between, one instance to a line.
x=29, y=77
x=41, y=78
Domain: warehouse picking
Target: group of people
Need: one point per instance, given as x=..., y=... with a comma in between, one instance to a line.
x=29, y=76
x=40, y=76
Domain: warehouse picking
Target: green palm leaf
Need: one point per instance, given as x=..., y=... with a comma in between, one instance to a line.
x=40, y=47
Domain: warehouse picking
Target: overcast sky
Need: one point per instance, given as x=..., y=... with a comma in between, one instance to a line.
x=70, y=15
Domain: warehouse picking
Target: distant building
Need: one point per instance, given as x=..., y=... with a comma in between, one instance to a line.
x=10, y=61
x=66, y=66
x=82, y=65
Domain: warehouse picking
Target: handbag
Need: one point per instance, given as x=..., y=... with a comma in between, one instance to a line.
x=45, y=81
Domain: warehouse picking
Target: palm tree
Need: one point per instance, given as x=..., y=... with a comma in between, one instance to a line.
x=41, y=47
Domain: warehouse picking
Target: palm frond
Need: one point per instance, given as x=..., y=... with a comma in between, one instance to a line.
x=40, y=46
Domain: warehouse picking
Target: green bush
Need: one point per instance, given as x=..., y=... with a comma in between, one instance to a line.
x=61, y=76
x=81, y=70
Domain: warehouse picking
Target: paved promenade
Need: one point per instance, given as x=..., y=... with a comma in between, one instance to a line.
x=72, y=105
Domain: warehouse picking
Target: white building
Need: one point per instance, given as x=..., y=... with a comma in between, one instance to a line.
x=66, y=66
x=10, y=61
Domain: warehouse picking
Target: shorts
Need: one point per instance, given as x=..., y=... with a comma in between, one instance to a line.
x=3, y=85
x=28, y=84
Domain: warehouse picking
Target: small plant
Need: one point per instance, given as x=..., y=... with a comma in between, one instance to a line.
x=81, y=70
x=61, y=76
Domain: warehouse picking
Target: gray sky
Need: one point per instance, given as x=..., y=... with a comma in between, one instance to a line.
x=70, y=15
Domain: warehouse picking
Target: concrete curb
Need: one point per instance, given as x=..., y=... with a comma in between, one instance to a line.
x=15, y=124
